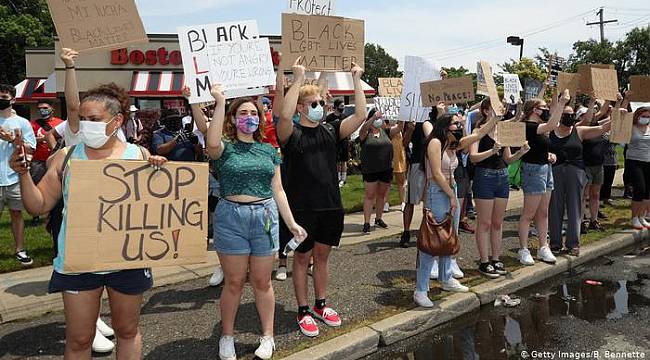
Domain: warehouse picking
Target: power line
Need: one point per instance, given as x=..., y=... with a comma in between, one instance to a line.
x=602, y=23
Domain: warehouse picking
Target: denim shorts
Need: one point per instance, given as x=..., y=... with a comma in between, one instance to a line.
x=128, y=282
x=536, y=179
x=246, y=229
x=491, y=183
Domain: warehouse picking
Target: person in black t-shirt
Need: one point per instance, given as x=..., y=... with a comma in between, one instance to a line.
x=312, y=187
x=343, y=150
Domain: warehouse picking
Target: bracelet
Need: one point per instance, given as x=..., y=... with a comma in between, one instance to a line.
x=69, y=67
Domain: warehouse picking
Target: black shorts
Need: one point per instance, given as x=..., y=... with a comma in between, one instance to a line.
x=461, y=175
x=383, y=176
x=343, y=151
x=323, y=227
x=129, y=282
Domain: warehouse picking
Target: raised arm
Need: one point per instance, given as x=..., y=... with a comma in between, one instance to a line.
x=352, y=122
x=200, y=119
x=284, y=128
x=363, y=132
x=589, y=115
x=278, y=99
x=72, y=102
x=214, y=144
x=476, y=136
x=322, y=85
x=396, y=129
x=556, y=114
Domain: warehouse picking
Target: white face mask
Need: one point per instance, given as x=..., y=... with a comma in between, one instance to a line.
x=93, y=133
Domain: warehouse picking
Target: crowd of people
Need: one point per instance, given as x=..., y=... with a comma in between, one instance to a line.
x=278, y=167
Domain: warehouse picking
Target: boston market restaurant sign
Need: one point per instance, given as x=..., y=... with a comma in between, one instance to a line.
x=159, y=57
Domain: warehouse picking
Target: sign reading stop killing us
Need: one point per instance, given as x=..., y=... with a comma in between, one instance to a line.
x=86, y=25
x=121, y=214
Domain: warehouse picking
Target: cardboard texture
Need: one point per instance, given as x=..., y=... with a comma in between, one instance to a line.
x=621, y=132
x=604, y=83
x=137, y=217
x=86, y=25
x=201, y=47
x=568, y=81
x=640, y=87
x=492, y=89
x=325, y=42
x=388, y=106
x=311, y=7
x=511, y=133
x=390, y=87
x=416, y=71
x=481, y=85
x=585, y=76
x=451, y=91
x=512, y=88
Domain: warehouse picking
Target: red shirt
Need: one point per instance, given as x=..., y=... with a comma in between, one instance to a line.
x=42, y=151
x=269, y=131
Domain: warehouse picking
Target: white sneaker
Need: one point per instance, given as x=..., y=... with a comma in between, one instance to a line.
x=227, y=348
x=422, y=299
x=453, y=285
x=281, y=273
x=386, y=207
x=525, y=258
x=266, y=348
x=545, y=254
x=402, y=207
x=104, y=329
x=456, y=272
x=636, y=224
x=217, y=277
x=101, y=344
x=434, y=269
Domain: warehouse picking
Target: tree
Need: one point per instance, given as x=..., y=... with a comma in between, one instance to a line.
x=379, y=64
x=452, y=72
x=24, y=24
x=526, y=68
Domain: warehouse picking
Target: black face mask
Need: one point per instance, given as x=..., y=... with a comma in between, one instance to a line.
x=458, y=134
x=5, y=104
x=546, y=114
x=568, y=120
x=173, y=124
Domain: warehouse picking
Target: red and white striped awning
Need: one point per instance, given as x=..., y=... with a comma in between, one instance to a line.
x=157, y=83
x=36, y=89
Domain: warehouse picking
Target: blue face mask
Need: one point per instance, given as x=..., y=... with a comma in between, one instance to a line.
x=315, y=114
x=296, y=119
x=378, y=123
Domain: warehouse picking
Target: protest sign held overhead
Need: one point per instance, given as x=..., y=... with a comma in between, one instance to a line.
x=585, y=76
x=390, y=86
x=311, y=7
x=481, y=85
x=492, y=88
x=388, y=106
x=622, y=124
x=511, y=88
x=568, y=81
x=325, y=42
x=416, y=71
x=604, y=83
x=137, y=218
x=532, y=87
x=511, y=133
x=450, y=91
x=640, y=87
x=85, y=25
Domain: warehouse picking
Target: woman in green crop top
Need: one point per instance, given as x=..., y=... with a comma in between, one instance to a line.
x=246, y=220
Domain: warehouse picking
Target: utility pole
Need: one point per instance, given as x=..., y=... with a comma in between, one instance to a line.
x=602, y=24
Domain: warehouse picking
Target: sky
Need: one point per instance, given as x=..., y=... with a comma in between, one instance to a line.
x=452, y=33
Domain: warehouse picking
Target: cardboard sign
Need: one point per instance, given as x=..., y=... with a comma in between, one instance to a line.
x=481, y=85
x=311, y=7
x=324, y=42
x=388, y=106
x=532, y=88
x=124, y=215
x=451, y=91
x=621, y=132
x=568, y=81
x=604, y=83
x=640, y=87
x=197, y=43
x=390, y=87
x=511, y=88
x=492, y=89
x=511, y=133
x=416, y=71
x=585, y=76
x=85, y=25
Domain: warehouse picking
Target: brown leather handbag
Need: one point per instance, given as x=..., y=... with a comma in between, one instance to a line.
x=437, y=239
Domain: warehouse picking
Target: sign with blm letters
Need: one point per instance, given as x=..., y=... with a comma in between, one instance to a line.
x=604, y=83
x=452, y=91
x=137, y=218
x=328, y=43
x=640, y=87
x=622, y=124
x=568, y=81
x=416, y=71
x=311, y=7
x=197, y=44
x=390, y=86
x=492, y=88
x=511, y=88
x=388, y=106
x=85, y=25
x=511, y=133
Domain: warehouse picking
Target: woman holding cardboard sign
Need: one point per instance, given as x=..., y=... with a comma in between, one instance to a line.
x=637, y=162
x=102, y=112
x=246, y=219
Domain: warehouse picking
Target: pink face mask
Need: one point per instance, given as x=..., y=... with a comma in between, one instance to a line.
x=247, y=124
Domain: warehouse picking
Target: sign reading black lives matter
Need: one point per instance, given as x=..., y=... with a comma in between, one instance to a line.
x=124, y=215
x=97, y=24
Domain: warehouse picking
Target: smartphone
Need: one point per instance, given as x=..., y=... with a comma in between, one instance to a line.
x=17, y=135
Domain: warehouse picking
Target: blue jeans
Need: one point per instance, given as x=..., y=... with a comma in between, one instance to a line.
x=536, y=179
x=246, y=229
x=491, y=183
x=438, y=202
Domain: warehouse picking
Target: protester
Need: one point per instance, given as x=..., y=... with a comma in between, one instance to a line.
x=269, y=127
x=413, y=142
x=491, y=191
x=537, y=175
x=463, y=177
x=133, y=126
x=343, y=150
x=376, y=165
x=637, y=162
x=312, y=186
x=9, y=179
x=399, y=166
x=567, y=143
x=175, y=142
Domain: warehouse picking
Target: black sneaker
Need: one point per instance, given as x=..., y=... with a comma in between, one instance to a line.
x=23, y=258
x=405, y=239
x=556, y=251
x=499, y=268
x=488, y=270
x=381, y=223
x=366, y=228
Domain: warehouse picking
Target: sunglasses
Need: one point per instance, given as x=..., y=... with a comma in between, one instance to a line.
x=316, y=103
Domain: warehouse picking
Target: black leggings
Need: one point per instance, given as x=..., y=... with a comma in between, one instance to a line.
x=609, y=172
x=640, y=177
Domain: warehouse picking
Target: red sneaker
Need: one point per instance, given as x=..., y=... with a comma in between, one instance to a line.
x=307, y=325
x=328, y=316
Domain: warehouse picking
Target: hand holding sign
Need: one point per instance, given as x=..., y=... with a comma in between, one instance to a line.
x=298, y=70
x=566, y=97
x=357, y=71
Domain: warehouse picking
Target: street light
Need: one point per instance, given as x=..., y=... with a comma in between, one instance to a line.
x=517, y=41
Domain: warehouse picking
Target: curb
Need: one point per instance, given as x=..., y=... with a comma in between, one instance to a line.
x=369, y=339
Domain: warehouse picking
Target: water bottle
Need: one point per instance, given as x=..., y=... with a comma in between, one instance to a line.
x=291, y=246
